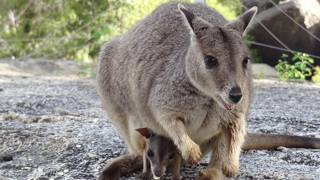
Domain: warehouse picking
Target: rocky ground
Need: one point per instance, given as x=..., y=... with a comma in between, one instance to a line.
x=53, y=127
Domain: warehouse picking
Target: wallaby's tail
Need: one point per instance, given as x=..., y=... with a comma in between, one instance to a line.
x=120, y=166
x=269, y=141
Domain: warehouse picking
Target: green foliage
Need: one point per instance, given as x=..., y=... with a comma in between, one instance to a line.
x=74, y=29
x=316, y=76
x=229, y=8
x=141, y=8
x=299, y=70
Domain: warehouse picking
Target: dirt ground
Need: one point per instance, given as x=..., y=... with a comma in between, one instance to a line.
x=53, y=127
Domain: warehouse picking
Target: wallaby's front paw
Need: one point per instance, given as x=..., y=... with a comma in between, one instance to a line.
x=191, y=152
x=230, y=170
x=210, y=174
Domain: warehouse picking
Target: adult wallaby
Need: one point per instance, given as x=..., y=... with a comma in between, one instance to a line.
x=183, y=72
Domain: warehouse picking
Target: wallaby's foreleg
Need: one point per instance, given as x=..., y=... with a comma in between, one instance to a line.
x=226, y=149
x=175, y=128
x=214, y=169
x=176, y=168
x=146, y=167
x=234, y=138
x=146, y=174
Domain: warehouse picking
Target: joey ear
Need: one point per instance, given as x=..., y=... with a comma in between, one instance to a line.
x=145, y=132
x=196, y=24
x=242, y=23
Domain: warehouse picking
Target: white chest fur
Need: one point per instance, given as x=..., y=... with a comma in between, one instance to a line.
x=201, y=124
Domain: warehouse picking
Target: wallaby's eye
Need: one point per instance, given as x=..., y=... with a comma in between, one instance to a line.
x=210, y=62
x=150, y=153
x=245, y=61
x=171, y=156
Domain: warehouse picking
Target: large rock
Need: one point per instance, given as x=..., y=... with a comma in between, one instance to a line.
x=306, y=13
x=261, y=4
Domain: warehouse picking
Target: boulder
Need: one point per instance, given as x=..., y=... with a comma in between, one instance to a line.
x=261, y=4
x=306, y=13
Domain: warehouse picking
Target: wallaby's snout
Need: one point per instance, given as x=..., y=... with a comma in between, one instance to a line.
x=235, y=94
x=157, y=172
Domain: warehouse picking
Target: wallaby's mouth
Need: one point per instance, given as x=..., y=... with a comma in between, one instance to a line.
x=227, y=105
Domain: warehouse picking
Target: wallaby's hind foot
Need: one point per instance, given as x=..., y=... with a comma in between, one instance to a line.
x=211, y=174
x=122, y=165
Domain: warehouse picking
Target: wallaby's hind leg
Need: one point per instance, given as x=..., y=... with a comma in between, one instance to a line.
x=111, y=101
x=121, y=166
x=130, y=138
x=118, y=118
x=124, y=164
x=121, y=124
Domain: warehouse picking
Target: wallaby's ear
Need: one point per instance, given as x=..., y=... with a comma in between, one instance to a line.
x=145, y=132
x=187, y=15
x=196, y=24
x=242, y=23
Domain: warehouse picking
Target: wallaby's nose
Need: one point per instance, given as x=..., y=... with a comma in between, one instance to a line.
x=157, y=174
x=235, y=94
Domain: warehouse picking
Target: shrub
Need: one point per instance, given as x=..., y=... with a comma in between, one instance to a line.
x=316, y=76
x=229, y=8
x=58, y=29
x=299, y=70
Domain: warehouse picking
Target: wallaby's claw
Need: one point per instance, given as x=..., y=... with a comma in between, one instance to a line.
x=230, y=170
x=204, y=176
x=192, y=153
x=212, y=174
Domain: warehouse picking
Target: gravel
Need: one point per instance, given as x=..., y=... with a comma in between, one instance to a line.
x=54, y=128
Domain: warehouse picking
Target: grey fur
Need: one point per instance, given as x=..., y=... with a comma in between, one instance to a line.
x=154, y=76
x=160, y=155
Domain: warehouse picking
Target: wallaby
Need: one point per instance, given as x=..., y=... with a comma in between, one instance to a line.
x=183, y=72
x=159, y=144
x=159, y=154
